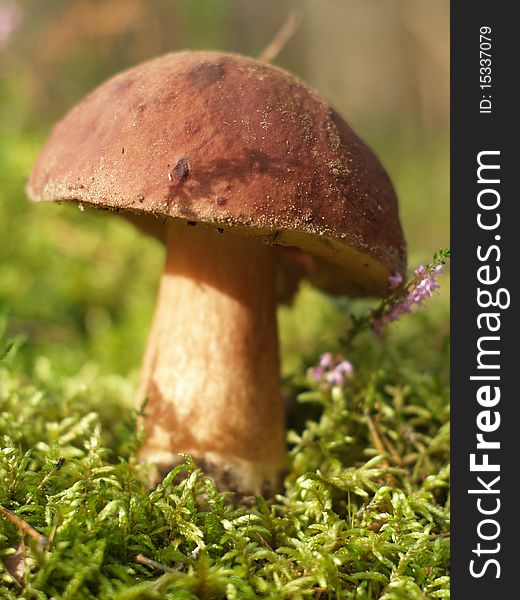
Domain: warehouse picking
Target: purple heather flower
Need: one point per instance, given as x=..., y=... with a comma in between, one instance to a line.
x=395, y=280
x=331, y=370
x=421, y=287
x=317, y=373
x=345, y=366
x=335, y=378
x=326, y=360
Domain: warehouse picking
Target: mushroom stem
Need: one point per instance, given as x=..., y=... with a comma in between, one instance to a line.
x=211, y=367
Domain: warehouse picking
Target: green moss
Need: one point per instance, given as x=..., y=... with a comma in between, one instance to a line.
x=357, y=520
x=365, y=511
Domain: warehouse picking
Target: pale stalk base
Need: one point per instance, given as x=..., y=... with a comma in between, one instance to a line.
x=211, y=368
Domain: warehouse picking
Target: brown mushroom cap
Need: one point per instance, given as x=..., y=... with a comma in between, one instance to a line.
x=232, y=142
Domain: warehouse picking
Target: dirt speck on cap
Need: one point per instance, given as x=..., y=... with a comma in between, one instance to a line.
x=205, y=74
x=180, y=171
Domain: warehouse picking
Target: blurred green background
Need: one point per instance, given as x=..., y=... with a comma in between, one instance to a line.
x=80, y=286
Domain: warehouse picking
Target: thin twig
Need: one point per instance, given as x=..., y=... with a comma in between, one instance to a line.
x=282, y=36
x=379, y=446
x=144, y=560
x=392, y=450
x=376, y=438
x=54, y=529
x=25, y=527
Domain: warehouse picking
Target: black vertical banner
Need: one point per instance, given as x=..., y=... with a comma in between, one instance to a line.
x=485, y=325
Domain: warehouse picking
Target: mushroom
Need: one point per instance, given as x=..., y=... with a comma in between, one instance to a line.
x=244, y=172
